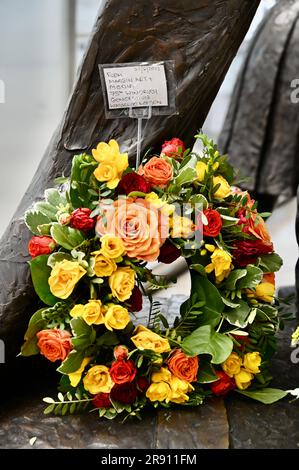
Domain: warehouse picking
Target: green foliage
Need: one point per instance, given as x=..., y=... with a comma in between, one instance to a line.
x=206, y=372
x=37, y=323
x=247, y=278
x=206, y=292
x=84, y=335
x=189, y=316
x=35, y=219
x=238, y=316
x=67, y=237
x=82, y=180
x=68, y=403
x=270, y=263
x=72, y=363
x=266, y=395
x=205, y=340
x=57, y=316
x=40, y=273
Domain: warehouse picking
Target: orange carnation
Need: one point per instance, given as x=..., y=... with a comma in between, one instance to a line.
x=139, y=224
x=157, y=171
x=54, y=344
x=182, y=366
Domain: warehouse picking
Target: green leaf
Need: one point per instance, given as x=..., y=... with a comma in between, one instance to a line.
x=199, y=201
x=40, y=273
x=72, y=362
x=265, y=395
x=109, y=338
x=55, y=197
x=270, y=263
x=206, y=373
x=67, y=237
x=253, y=277
x=203, y=290
x=47, y=209
x=204, y=340
x=49, y=409
x=83, y=334
x=232, y=279
x=187, y=172
x=229, y=303
x=36, y=324
x=57, y=257
x=238, y=316
x=82, y=180
x=33, y=219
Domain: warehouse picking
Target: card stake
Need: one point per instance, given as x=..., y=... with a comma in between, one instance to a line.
x=138, y=91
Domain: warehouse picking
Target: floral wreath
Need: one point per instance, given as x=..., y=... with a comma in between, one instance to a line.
x=94, y=234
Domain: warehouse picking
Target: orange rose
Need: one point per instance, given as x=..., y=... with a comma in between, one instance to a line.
x=54, y=344
x=256, y=228
x=157, y=171
x=139, y=224
x=182, y=366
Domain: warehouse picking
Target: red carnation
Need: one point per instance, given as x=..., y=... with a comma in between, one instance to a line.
x=41, y=246
x=125, y=393
x=122, y=372
x=135, y=301
x=142, y=384
x=223, y=385
x=133, y=182
x=120, y=352
x=247, y=251
x=101, y=400
x=81, y=219
x=168, y=253
x=173, y=148
x=214, y=226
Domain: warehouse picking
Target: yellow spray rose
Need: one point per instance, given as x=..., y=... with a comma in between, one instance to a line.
x=252, y=362
x=154, y=199
x=201, y=168
x=182, y=227
x=98, y=380
x=221, y=263
x=77, y=311
x=103, y=266
x=179, y=390
x=163, y=375
x=232, y=365
x=92, y=313
x=224, y=189
x=75, y=377
x=146, y=339
x=265, y=291
x=112, y=163
x=111, y=247
x=64, y=276
x=158, y=391
x=243, y=379
x=116, y=317
x=122, y=283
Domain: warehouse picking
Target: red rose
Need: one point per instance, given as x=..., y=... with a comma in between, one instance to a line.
x=214, y=223
x=173, y=148
x=223, y=385
x=135, y=301
x=120, y=353
x=133, y=182
x=247, y=251
x=81, y=219
x=168, y=253
x=125, y=393
x=142, y=384
x=101, y=400
x=41, y=246
x=122, y=372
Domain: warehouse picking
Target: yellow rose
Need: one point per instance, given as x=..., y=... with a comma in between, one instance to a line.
x=103, y=266
x=112, y=247
x=221, y=264
x=265, y=291
x=252, y=362
x=146, y=339
x=224, y=189
x=92, y=313
x=122, y=283
x=98, y=380
x=77, y=311
x=243, y=379
x=163, y=375
x=158, y=391
x=201, y=168
x=64, y=277
x=232, y=365
x=179, y=390
x=75, y=377
x=182, y=227
x=112, y=163
x=295, y=337
x=116, y=317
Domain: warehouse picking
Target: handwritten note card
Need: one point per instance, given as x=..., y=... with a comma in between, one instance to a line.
x=135, y=86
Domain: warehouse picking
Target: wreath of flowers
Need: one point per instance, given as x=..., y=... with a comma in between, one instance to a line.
x=94, y=234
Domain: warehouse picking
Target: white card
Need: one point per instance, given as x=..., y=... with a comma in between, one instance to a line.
x=135, y=86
